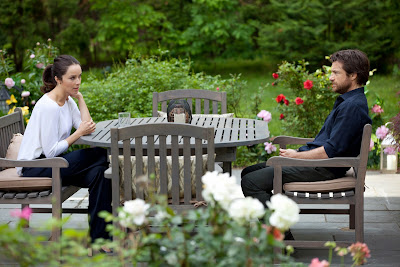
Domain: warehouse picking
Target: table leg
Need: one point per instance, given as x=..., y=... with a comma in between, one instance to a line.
x=227, y=167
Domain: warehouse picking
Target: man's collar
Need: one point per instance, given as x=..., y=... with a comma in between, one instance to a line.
x=352, y=92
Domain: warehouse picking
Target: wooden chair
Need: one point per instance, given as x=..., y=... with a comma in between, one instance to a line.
x=192, y=94
x=31, y=190
x=173, y=140
x=346, y=190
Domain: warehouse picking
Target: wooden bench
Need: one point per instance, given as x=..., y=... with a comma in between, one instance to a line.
x=33, y=190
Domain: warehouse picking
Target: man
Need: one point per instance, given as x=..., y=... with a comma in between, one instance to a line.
x=340, y=135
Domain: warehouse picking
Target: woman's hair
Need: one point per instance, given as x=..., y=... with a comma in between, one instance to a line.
x=57, y=69
x=354, y=61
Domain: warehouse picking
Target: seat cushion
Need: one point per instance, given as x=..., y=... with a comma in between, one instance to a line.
x=335, y=185
x=10, y=181
x=157, y=174
x=13, y=147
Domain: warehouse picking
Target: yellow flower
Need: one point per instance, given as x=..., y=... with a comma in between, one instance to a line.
x=25, y=110
x=11, y=110
x=11, y=100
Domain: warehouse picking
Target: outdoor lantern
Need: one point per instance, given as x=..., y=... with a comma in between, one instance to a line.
x=389, y=160
x=4, y=95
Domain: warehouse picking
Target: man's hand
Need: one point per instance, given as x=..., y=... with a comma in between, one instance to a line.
x=288, y=153
x=317, y=153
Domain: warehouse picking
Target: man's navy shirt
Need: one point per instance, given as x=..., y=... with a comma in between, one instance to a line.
x=343, y=128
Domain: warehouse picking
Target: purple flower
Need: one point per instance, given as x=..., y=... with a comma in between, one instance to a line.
x=25, y=94
x=9, y=82
x=265, y=115
x=269, y=147
x=381, y=132
x=390, y=150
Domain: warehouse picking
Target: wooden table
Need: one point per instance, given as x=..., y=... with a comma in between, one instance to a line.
x=229, y=134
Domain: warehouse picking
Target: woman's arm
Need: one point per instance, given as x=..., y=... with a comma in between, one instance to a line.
x=85, y=115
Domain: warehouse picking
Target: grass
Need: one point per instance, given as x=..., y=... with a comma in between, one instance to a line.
x=257, y=73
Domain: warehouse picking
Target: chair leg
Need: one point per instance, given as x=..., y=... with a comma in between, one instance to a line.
x=359, y=222
x=22, y=207
x=352, y=222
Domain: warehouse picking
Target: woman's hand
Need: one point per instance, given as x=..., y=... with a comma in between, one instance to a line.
x=77, y=96
x=86, y=127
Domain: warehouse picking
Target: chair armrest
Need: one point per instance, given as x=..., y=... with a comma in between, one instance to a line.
x=108, y=173
x=41, y=163
x=330, y=162
x=282, y=140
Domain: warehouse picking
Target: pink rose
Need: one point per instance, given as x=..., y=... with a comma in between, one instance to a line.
x=381, y=132
x=25, y=94
x=32, y=56
x=25, y=213
x=299, y=101
x=9, y=82
x=269, y=147
x=371, y=144
x=40, y=65
x=23, y=81
x=316, y=263
x=265, y=115
x=360, y=252
x=308, y=84
x=275, y=75
x=377, y=109
x=33, y=102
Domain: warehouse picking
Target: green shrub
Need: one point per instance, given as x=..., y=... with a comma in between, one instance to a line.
x=130, y=87
x=304, y=110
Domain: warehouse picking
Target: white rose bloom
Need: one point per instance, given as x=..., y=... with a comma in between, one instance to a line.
x=246, y=209
x=220, y=188
x=134, y=211
x=161, y=215
x=285, y=212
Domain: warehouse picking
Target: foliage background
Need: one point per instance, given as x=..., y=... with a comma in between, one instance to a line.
x=100, y=31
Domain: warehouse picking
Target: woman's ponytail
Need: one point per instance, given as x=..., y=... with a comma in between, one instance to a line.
x=48, y=80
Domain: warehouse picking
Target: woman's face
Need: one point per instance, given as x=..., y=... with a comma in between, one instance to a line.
x=71, y=80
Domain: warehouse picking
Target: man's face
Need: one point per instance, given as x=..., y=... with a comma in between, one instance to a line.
x=341, y=82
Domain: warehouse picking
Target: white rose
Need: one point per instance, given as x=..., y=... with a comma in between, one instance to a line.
x=246, y=209
x=134, y=211
x=285, y=212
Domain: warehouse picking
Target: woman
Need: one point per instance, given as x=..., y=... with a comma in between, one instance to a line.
x=48, y=135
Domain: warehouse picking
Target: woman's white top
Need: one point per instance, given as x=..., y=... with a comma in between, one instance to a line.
x=48, y=127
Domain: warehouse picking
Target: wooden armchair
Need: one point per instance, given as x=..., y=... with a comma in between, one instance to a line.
x=31, y=190
x=208, y=97
x=156, y=147
x=346, y=190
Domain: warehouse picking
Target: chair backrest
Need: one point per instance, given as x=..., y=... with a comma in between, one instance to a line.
x=161, y=140
x=361, y=170
x=199, y=96
x=10, y=125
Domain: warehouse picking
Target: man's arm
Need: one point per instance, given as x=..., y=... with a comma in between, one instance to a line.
x=317, y=153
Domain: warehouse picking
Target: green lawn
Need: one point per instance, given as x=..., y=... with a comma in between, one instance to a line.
x=258, y=73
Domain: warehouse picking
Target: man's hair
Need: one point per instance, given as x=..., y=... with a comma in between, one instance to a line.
x=354, y=61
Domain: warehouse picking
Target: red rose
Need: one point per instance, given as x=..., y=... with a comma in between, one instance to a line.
x=299, y=101
x=280, y=98
x=308, y=84
x=273, y=84
x=275, y=75
x=286, y=102
x=281, y=117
